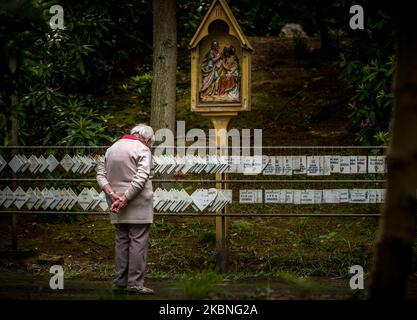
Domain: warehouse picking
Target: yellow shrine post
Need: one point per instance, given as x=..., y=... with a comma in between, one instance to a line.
x=220, y=88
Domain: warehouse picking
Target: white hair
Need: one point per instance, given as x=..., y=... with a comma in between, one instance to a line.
x=144, y=131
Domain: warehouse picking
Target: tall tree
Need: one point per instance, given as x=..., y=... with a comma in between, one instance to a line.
x=164, y=64
x=393, y=254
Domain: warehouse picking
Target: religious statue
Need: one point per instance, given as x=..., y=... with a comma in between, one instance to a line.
x=220, y=75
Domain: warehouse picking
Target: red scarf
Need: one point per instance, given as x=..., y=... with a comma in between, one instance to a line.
x=132, y=137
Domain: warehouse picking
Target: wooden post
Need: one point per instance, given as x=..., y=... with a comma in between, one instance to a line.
x=221, y=122
x=219, y=31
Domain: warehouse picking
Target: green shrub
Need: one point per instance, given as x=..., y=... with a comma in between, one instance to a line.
x=140, y=86
x=368, y=63
x=207, y=238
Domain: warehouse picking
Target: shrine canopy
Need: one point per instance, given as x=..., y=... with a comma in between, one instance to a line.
x=221, y=58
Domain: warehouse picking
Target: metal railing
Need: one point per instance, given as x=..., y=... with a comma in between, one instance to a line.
x=312, y=150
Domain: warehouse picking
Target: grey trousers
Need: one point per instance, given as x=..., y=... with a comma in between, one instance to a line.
x=131, y=253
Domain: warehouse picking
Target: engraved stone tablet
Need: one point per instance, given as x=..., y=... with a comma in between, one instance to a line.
x=43, y=162
x=362, y=164
x=313, y=166
x=48, y=198
x=372, y=195
x=343, y=195
x=40, y=198
x=297, y=196
x=9, y=197
x=92, y=164
x=61, y=201
x=65, y=199
x=26, y=162
x=89, y=164
x=380, y=164
x=330, y=196
x=288, y=165
x=34, y=164
x=31, y=198
x=334, y=164
x=289, y=196
x=376, y=164
x=250, y=196
x=96, y=198
x=307, y=196
x=56, y=199
x=67, y=162
x=299, y=164
x=103, y=201
x=20, y=198
x=345, y=164
x=318, y=196
x=200, y=199
x=272, y=196
x=358, y=196
x=52, y=163
x=74, y=198
x=353, y=164
x=16, y=163
x=85, y=199
x=3, y=163
x=77, y=164
x=279, y=165
x=2, y=197
x=325, y=165
x=270, y=166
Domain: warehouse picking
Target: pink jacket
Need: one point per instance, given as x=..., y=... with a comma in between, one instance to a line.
x=128, y=168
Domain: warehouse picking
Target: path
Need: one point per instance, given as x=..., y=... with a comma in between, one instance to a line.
x=26, y=286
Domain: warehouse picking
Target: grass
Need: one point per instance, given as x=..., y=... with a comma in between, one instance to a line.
x=70, y=273
x=303, y=285
x=242, y=226
x=308, y=246
x=201, y=285
x=309, y=240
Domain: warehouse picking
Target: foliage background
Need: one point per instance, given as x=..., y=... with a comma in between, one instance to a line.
x=69, y=84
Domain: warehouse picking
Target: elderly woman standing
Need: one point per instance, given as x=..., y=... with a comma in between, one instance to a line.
x=125, y=177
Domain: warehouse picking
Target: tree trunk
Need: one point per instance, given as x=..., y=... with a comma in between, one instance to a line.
x=164, y=64
x=393, y=255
